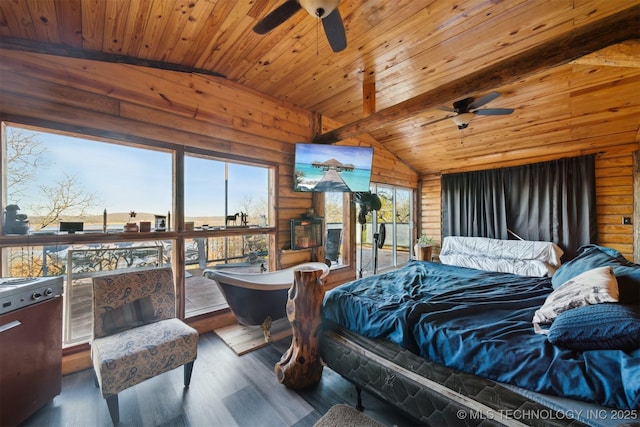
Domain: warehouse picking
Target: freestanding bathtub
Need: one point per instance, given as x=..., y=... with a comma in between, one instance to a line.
x=252, y=297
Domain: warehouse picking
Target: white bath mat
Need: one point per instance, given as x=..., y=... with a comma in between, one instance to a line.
x=243, y=339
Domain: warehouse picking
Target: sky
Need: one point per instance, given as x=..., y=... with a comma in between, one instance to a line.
x=127, y=178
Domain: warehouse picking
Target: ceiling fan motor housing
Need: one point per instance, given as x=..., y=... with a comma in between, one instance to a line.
x=319, y=8
x=462, y=106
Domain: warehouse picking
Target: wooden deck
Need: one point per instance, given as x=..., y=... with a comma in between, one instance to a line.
x=201, y=294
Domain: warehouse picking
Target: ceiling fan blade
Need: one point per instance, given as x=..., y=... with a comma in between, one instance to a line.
x=445, y=108
x=484, y=100
x=493, y=111
x=436, y=121
x=334, y=30
x=280, y=14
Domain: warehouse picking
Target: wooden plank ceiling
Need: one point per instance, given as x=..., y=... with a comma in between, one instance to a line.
x=402, y=48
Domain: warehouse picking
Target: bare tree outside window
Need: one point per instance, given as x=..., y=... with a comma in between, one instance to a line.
x=25, y=155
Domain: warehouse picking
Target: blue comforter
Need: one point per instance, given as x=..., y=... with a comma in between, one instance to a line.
x=480, y=322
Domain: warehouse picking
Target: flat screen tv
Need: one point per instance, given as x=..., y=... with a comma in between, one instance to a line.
x=332, y=168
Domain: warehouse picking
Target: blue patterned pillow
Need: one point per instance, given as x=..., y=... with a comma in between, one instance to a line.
x=606, y=326
x=592, y=256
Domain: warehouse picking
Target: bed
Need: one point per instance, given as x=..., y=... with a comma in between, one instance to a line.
x=455, y=345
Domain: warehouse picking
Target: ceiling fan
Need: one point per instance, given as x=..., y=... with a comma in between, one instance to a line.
x=326, y=10
x=465, y=109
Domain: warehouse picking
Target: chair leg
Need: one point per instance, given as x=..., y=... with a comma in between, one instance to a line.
x=188, y=368
x=114, y=411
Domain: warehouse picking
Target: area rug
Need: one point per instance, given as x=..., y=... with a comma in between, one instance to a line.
x=243, y=339
x=346, y=416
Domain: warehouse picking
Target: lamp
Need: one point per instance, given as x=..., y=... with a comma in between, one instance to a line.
x=462, y=120
x=319, y=8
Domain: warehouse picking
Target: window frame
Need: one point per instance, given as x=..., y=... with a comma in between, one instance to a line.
x=176, y=234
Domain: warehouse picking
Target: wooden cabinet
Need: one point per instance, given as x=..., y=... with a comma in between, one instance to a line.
x=30, y=359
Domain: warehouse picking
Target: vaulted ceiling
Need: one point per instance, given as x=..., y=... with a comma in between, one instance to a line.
x=569, y=69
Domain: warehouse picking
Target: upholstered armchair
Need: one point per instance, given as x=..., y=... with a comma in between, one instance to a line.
x=136, y=334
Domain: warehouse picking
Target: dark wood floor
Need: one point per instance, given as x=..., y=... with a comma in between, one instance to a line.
x=226, y=390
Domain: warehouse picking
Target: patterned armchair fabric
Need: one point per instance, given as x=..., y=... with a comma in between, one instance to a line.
x=136, y=333
x=116, y=292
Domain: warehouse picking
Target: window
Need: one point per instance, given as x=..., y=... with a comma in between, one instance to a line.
x=223, y=195
x=394, y=219
x=334, y=213
x=219, y=193
x=57, y=178
x=50, y=178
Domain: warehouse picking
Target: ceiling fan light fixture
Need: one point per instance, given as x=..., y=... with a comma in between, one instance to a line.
x=462, y=120
x=319, y=8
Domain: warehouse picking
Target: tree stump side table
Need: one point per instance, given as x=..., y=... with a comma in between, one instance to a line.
x=300, y=366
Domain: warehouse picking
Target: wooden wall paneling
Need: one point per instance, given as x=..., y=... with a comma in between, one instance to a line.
x=431, y=206
x=186, y=31
x=43, y=20
x=24, y=86
x=156, y=24
x=69, y=23
x=274, y=53
x=636, y=207
x=196, y=49
x=584, y=12
x=173, y=92
x=294, y=119
x=15, y=26
x=387, y=168
x=615, y=199
x=93, y=24
x=289, y=258
x=162, y=118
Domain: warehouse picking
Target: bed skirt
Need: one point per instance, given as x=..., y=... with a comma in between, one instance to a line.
x=427, y=392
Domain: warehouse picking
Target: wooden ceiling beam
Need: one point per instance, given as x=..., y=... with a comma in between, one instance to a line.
x=625, y=54
x=565, y=48
x=72, y=52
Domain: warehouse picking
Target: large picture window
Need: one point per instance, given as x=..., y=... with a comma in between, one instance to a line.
x=220, y=193
x=54, y=184
x=56, y=178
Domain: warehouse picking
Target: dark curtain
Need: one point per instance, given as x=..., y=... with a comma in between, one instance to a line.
x=551, y=201
x=473, y=204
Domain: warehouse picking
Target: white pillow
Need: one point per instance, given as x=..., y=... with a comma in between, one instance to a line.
x=591, y=287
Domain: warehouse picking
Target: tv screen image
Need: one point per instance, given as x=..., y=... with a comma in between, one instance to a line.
x=335, y=168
